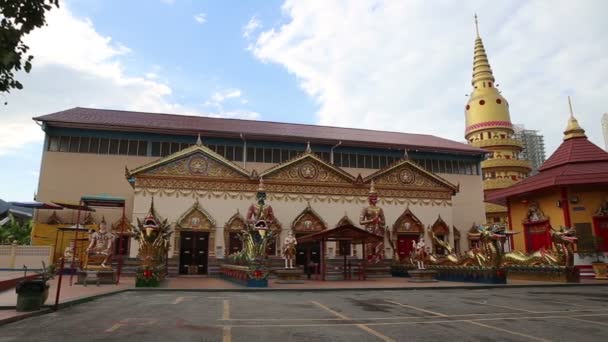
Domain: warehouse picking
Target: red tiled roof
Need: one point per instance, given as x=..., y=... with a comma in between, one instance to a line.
x=575, y=150
x=207, y=126
x=576, y=161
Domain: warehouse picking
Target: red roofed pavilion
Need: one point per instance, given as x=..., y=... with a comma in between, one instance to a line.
x=571, y=189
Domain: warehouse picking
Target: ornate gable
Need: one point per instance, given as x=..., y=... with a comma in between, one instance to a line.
x=308, y=168
x=405, y=175
x=308, y=222
x=196, y=218
x=195, y=161
x=408, y=223
x=440, y=227
x=345, y=220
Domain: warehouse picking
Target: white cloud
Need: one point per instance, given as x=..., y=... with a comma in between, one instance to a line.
x=218, y=98
x=406, y=65
x=200, y=18
x=75, y=65
x=252, y=25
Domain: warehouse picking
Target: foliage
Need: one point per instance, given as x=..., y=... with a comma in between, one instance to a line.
x=19, y=17
x=15, y=231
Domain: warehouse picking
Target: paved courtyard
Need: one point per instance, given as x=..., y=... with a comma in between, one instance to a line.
x=539, y=314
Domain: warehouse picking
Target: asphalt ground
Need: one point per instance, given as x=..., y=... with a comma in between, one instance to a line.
x=526, y=314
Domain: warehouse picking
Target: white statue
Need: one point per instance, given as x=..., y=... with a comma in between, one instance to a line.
x=419, y=253
x=289, y=249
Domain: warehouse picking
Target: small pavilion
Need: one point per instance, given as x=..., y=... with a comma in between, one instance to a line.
x=344, y=232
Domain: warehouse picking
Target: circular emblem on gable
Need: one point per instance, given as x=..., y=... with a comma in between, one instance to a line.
x=198, y=165
x=195, y=221
x=308, y=171
x=406, y=177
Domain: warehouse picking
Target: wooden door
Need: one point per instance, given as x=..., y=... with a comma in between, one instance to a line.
x=404, y=245
x=186, y=251
x=201, y=251
x=194, y=248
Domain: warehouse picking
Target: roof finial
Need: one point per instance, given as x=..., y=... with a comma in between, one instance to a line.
x=573, y=130
x=199, y=142
x=372, y=188
x=308, y=149
x=261, y=185
x=476, y=26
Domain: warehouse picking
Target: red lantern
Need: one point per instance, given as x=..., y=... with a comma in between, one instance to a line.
x=147, y=273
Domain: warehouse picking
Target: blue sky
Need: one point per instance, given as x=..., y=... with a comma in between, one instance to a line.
x=382, y=64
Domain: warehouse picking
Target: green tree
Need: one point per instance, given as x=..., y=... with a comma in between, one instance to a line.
x=18, y=18
x=16, y=231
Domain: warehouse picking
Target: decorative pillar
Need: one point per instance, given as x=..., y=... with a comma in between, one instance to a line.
x=566, y=208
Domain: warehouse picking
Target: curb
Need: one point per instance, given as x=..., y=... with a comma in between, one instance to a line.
x=24, y=316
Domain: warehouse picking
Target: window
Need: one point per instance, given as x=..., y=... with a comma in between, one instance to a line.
x=238, y=153
x=142, y=148
x=382, y=162
x=375, y=162
x=221, y=150
x=155, y=149
x=284, y=155
x=104, y=146
x=250, y=154
x=276, y=155
x=292, y=153
x=74, y=142
x=84, y=145
x=367, y=162
x=259, y=155
x=360, y=161
x=64, y=144
x=94, y=145
x=114, y=146
x=53, y=144
x=267, y=155
x=133, y=147
x=165, y=149
x=123, y=147
x=230, y=152
x=174, y=148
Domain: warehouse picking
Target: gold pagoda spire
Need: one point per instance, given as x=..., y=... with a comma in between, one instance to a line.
x=481, y=66
x=573, y=130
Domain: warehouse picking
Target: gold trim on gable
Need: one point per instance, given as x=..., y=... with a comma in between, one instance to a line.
x=405, y=174
x=195, y=160
x=307, y=167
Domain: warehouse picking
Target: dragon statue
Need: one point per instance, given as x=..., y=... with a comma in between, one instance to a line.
x=450, y=258
x=563, y=241
x=153, y=237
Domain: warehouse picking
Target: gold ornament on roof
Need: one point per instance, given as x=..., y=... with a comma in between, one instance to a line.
x=573, y=130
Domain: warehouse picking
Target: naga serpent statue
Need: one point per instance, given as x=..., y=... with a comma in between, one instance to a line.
x=563, y=241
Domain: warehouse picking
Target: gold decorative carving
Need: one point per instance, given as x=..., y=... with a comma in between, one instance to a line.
x=235, y=224
x=287, y=197
x=308, y=222
x=195, y=218
x=440, y=227
x=121, y=225
x=534, y=213
x=198, y=164
x=307, y=169
x=345, y=220
x=406, y=175
x=603, y=209
x=408, y=223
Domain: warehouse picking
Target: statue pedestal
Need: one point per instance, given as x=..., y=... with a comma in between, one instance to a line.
x=289, y=276
x=422, y=276
x=96, y=276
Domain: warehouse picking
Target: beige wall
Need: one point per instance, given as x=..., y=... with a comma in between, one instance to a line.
x=68, y=176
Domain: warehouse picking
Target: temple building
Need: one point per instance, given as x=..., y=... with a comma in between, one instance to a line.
x=202, y=175
x=570, y=190
x=488, y=126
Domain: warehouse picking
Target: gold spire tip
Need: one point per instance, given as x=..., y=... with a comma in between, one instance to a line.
x=476, y=26
x=570, y=105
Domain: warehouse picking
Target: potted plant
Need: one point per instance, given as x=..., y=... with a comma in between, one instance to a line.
x=32, y=293
x=594, y=250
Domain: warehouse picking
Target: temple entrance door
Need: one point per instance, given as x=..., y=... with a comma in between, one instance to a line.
x=235, y=243
x=600, y=225
x=312, y=253
x=194, y=248
x=404, y=245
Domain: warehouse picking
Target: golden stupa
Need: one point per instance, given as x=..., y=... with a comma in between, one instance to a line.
x=488, y=126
